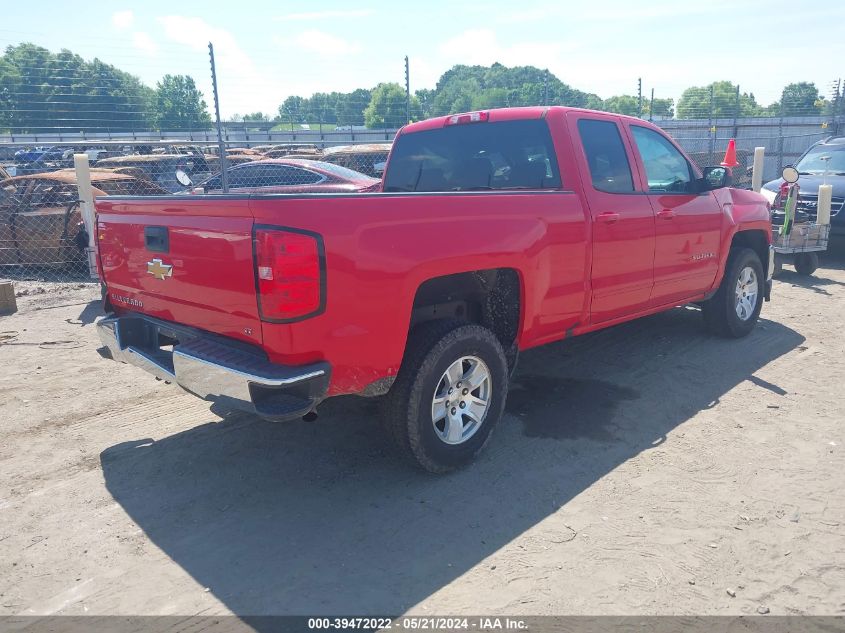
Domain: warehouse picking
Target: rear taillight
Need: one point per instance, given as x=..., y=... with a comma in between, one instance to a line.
x=289, y=271
x=469, y=117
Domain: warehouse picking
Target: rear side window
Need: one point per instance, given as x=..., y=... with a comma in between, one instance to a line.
x=475, y=156
x=606, y=156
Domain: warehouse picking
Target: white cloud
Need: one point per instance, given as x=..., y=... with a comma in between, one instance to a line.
x=481, y=46
x=610, y=11
x=144, y=43
x=122, y=19
x=197, y=33
x=324, y=15
x=242, y=87
x=325, y=44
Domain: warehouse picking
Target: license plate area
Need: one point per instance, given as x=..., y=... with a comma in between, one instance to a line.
x=152, y=340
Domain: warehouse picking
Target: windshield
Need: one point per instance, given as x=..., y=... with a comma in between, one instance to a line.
x=813, y=162
x=475, y=156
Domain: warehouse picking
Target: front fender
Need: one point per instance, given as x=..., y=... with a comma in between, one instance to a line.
x=744, y=211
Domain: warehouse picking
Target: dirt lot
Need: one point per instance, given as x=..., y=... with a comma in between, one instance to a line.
x=645, y=469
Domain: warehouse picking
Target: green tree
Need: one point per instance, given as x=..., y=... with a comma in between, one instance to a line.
x=10, y=89
x=455, y=95
x=256, y=116
x=695, y=102
x=623, y=104
x=179, y=104
x=662, y=107
x=630, y=105
x=463, y=88
x=349, y=107
x=292, y=109
x=426, y=98
x=801, y=99
x=388, y=105
x=41, y=91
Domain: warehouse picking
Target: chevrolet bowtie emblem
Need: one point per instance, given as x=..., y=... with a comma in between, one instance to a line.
x=159, y=269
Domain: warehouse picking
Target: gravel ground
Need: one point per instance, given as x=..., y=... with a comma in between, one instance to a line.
x=646, y=469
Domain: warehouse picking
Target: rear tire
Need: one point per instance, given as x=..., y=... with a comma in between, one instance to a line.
x=806, y=263
x=449, y=394
x=733, y=311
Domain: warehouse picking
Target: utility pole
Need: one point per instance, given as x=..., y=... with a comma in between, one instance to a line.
x=640, y=97
x=224, y=177
x=736, y=113
x=407, y=91
x=651, y=107
x=712, y=127
x=546, y=88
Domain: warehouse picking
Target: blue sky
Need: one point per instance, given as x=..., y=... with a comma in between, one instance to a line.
x=269, y=50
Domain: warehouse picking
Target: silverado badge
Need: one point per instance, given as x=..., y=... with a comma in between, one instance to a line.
x=159, y=270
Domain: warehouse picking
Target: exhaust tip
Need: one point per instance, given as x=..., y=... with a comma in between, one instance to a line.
x=310, y=416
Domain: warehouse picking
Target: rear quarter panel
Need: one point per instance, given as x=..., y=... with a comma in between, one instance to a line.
x=381, y=247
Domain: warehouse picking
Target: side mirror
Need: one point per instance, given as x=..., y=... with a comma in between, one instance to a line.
x=183, y=178
x=790, y=174
x=717, y=177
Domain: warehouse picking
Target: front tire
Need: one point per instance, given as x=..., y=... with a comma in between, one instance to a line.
x=734, y=309
x=449, y=394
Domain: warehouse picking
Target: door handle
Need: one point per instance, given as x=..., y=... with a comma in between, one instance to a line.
x=666, y=214
x=608, y=216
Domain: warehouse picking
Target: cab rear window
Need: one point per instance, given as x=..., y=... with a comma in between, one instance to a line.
x=473, y=157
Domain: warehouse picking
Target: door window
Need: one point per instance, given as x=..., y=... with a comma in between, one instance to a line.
x=606, y=156
x=666, y=168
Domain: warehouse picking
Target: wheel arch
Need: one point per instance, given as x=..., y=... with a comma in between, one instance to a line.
x=756, y=240
x=493, y=298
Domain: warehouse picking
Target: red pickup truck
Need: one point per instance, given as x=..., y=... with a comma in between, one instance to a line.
x=495, y=232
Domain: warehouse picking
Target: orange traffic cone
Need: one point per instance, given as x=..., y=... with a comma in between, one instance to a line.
x=730, y=155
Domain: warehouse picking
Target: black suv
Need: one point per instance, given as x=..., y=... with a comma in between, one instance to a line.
x=812, y=169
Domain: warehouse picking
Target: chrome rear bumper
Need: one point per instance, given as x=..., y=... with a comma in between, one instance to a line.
x=214, y=368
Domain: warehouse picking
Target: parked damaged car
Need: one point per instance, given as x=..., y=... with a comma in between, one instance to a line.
x=289, y=175
x=369, y=159
x=40, y=220
x=161, y=169
x=231, y=160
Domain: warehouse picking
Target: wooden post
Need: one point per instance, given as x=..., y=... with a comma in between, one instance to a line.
x=757, y=169
x=8, y=304
x=86, y=206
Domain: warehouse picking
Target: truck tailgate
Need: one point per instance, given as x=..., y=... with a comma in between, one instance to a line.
x=186, y=260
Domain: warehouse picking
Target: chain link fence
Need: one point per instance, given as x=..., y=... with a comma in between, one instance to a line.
x=162, y=141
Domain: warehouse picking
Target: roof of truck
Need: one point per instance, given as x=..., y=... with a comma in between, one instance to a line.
x=510, y=114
